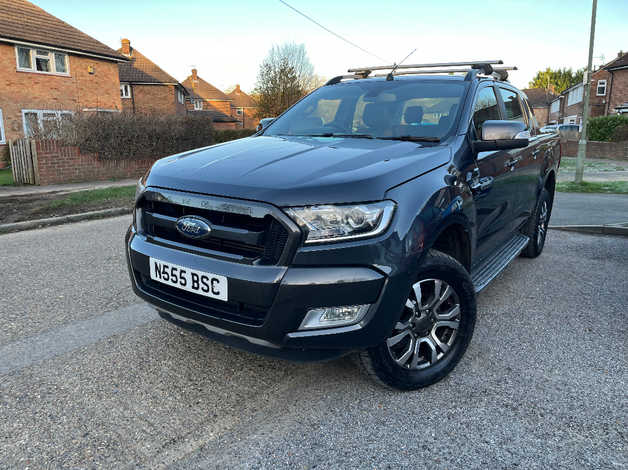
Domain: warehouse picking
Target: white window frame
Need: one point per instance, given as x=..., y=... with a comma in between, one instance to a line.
x=40, y=116
x=198, y=105
x=125, y=89
x=555, y=106
x=575, y=95
x=180, y=96
x=239, y=111
x=3, y=136
x=51, y=58
x=600, y=83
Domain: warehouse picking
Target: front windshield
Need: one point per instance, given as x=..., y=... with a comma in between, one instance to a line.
x=424, y=109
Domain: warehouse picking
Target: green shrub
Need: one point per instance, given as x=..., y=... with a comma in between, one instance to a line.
x=620, y=134
x=603, y=128
x=227, y=134
x=125, y=136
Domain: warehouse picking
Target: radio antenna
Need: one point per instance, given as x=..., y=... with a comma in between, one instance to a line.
x=390, y=75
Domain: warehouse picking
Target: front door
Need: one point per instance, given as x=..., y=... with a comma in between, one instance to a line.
x=490, y=180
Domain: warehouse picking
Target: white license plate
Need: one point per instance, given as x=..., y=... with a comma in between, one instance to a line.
x=191, y=280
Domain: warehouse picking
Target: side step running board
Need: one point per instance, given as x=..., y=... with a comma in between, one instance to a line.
x=486, y=271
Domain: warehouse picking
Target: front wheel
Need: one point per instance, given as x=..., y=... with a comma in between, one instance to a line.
x=433, y=331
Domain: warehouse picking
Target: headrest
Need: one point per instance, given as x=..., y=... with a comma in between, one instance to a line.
x=413, y=114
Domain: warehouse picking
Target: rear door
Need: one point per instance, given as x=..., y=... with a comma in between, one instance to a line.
x=489, y=178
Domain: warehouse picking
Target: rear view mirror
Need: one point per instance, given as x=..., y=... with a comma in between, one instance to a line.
x=502, y=135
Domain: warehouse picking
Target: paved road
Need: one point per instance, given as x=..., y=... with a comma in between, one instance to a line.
x=589, y=209
x=90, y=377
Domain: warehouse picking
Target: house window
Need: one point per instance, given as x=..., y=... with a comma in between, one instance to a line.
x=239, y=111
x=601, y=88
x=3, y=138
x=180, y=96
x=41, y=61
x=575, y=95
x=198, y=105
x=36, y=120
x=554, y=106
x=125, y=90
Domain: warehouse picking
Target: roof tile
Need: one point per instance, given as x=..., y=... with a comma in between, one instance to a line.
x=22, y=21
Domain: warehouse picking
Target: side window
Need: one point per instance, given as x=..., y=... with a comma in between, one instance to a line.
x=512, y=105
x=532, y=122
x=485, y=108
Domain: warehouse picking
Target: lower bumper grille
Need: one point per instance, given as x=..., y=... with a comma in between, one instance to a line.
x=232, y=311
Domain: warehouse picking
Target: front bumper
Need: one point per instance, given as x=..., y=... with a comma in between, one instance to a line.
x=267, y=303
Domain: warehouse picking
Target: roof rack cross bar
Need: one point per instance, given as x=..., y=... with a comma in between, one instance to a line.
x=417, y=66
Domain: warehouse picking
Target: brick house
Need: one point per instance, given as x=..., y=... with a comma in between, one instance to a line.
x=540, y=99
x=49, y=69
x=608, y=94
x=243, y=107
x=146, y=88
x=609, y=90
x=206, y=98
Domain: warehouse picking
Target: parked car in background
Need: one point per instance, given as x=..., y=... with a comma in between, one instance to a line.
x=569, y=128
x=549, y=129
x=264, y=123
x=362, y=220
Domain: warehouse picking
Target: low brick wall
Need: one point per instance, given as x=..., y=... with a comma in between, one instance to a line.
x=59, y=164
x=610, y=150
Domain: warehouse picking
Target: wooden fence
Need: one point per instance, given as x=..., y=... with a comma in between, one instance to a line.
x=24, y=161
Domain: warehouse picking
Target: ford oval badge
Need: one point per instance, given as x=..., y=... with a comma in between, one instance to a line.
x=193, y=227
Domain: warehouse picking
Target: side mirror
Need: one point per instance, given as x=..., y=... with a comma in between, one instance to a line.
x=502, y=135
x=264, y=123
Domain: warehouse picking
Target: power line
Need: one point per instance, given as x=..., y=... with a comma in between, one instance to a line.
x=330, y=31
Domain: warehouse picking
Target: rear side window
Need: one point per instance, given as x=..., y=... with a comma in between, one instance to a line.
x=512, y=105
x=485, y=108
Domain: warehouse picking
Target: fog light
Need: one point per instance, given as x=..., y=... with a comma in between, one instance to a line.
x=325, y=317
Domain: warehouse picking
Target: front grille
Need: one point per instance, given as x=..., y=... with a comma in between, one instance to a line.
x=234, y=311
x=248, y=239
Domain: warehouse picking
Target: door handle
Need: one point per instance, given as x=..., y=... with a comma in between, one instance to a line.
x=512, y=162
x=481, y=184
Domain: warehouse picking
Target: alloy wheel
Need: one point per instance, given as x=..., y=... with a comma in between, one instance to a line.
x=542, y=225
x=428, y=326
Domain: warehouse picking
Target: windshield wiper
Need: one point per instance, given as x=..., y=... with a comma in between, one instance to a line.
x=411, y=138
x=335, y=134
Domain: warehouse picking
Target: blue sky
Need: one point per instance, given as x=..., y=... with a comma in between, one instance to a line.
x=227, y=40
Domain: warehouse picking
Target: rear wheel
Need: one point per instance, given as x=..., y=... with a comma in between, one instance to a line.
x=433, y=331
x=537, y=226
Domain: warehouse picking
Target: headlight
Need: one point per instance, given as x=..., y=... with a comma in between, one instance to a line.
x=342, y=222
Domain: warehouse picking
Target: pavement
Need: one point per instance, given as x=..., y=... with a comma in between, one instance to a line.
x=90, y=377
x=27, y=190
x=589, y=209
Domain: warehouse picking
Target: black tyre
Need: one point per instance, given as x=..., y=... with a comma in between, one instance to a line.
x=433, y=331
x=536, y=228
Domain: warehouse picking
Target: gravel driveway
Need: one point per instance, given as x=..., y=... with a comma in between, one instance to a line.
x=90, y=377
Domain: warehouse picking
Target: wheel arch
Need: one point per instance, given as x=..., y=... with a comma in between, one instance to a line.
x=454, y=239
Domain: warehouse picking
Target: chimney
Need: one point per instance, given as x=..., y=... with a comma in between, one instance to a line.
x=126, y=47
x=194, y=74
x=620, y=53
x=237, y=88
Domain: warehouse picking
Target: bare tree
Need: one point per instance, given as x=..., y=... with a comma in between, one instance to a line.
x=284, y=76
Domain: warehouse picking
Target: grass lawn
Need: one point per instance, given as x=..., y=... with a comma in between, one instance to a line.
x=122, y=194
x=609, y=187
x=6, y=177
x=569, y=164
